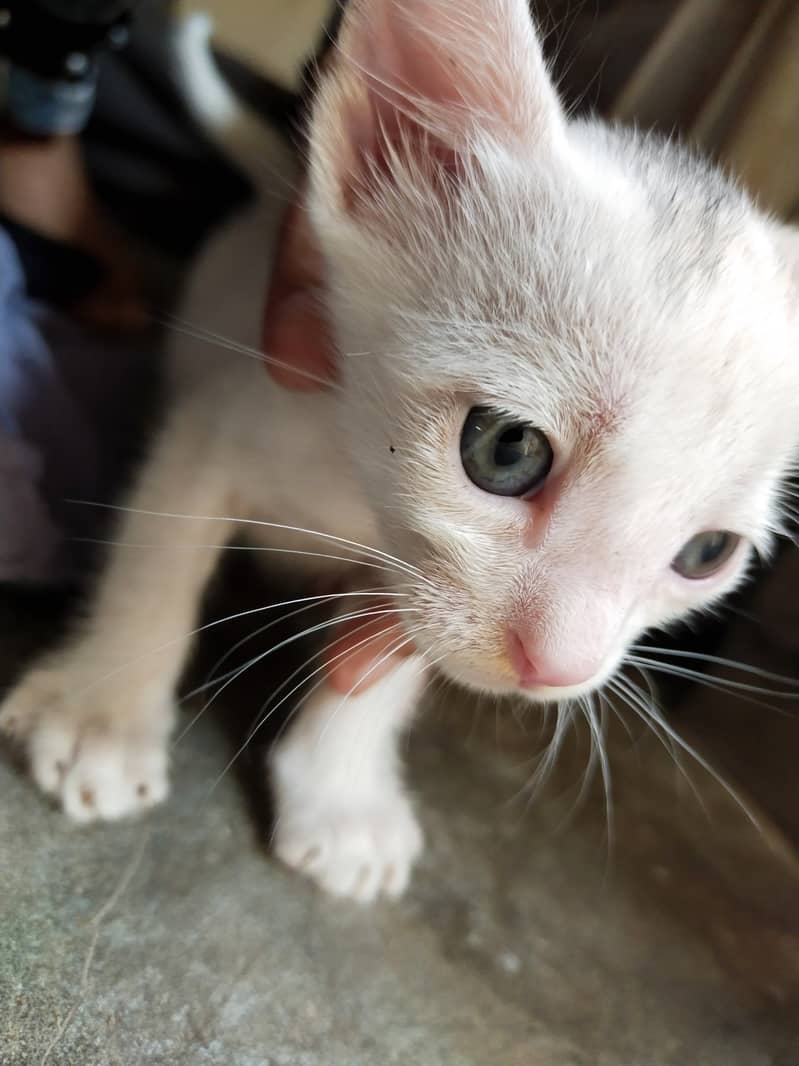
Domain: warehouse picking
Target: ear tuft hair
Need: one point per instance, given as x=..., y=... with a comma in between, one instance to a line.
x=414, y=82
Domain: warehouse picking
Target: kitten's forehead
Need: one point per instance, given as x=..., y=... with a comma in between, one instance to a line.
x=618, y=241
x=639, y=320
x=631, y=236
x=618, y=294
x=639, y=286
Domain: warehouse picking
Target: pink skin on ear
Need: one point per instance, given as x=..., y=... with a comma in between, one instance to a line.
x=296, y=332
x=412, y=84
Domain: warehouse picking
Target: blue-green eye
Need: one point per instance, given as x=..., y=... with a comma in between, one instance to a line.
x=705, y=553
x=502, y=455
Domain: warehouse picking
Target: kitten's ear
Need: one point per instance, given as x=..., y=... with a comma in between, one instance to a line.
x=413, y=82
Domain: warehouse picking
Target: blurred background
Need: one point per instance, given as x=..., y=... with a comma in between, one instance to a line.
x=722, y=72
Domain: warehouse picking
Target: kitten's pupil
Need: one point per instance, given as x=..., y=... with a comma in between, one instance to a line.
x=705, y=553
x=507, y=451
x=502, y=455
x=512, y=436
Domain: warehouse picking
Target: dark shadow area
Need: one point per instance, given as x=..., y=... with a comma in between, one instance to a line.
x=255, y=700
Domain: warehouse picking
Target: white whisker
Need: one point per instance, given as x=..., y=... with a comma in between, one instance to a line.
x=376, y=553
x=597, y=727
x=349, y=559
x=282, y=701
x=546, y=759
x=309, y=631
x=344, y=654
x=404, y=642
x=207, y=336
x=213, y=678
x=720, y=684
x=217, y=622
x=716, y=660
x=634, y=698
x=651, y=714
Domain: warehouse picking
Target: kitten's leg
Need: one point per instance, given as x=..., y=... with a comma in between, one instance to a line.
x=343, y=817
x=95, y=716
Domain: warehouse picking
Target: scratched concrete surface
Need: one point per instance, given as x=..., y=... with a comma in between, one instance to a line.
x=525, y=940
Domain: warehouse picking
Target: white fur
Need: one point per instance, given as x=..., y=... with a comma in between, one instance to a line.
x=614, y=291
x=353, y=830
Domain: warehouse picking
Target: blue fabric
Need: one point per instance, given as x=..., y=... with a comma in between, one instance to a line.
x=61, y=388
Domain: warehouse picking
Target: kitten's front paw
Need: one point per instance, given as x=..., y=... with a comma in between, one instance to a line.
x=99, y=764
x=360, y=853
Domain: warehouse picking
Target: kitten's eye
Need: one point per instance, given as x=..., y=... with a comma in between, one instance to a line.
x=705, y=553
x=502, y=455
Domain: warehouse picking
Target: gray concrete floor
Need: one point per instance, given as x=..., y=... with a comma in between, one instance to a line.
x=526, y=939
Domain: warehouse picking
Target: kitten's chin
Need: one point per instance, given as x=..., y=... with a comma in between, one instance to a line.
x=503, y=682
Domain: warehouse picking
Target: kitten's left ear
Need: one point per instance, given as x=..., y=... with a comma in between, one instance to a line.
x=414, y=82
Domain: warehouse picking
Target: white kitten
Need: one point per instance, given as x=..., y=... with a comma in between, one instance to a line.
x=568, y=392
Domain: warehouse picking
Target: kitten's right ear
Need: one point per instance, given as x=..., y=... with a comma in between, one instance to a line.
x=414, y=82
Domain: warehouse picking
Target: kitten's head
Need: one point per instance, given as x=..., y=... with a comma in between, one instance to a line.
x=570, y=355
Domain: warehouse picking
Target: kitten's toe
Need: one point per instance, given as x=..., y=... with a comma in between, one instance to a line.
x=360, y=855
x=22, y=706
x=51, y=750
x=98, y=763
x=114, y=776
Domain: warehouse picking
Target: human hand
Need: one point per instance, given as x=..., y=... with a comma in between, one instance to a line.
x=360, y=653
x=296, y=334
x=45, y=187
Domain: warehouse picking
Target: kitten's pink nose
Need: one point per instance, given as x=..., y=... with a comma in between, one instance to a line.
x=534, y=672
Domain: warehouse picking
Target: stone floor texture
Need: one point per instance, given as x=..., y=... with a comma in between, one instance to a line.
x=528, y=938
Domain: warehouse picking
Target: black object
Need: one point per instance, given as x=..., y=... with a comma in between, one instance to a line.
x=58, y=39
x=152, y=165
x=55, y=272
